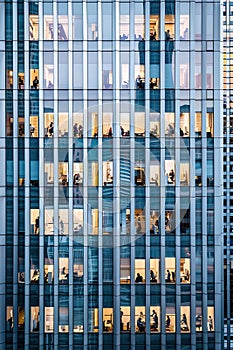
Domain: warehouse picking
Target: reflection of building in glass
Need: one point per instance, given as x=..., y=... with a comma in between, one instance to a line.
x=111, y=199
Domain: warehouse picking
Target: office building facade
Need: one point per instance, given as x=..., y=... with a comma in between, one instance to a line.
x=111, y=147
x=227, y=174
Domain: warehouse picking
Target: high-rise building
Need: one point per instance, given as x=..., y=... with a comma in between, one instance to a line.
x=111, y=187
x=227, y=174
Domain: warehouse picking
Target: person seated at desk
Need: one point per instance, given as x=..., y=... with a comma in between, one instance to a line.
x=20, y=84
x=80, y=131
x=139, y=82
x=64, y=275
x=141, y=325
x=167, y=35
x=155, y=179
x=122, y=130
x=170, y=130
x=37, y=224
x=155, y=320
x=107, y=325
x=152, y=276
x=35, y=83
x=50, y=129
x=35, y=276
x=168, y=277
x=110, y=133
x=155, y=227
x=184, y=323
x=63, y=180
x=139, y=278
x=75, y=129
x=172, y=176
x=77, y=179
x=32, y=129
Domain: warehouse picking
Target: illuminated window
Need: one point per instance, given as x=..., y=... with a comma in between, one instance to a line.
x=9, y=318
x=48, y=271
x=140, y=273
x=48, y=314
x=184, y=174
x=154, y=27
x=198, y=127
x=20, y=81
x=63, y=174
x=34, y=217
x=170, y=319
x=48, y=124
x=139, y=175
x=210, y=124
x=107, y=173
x=170, y=176
x=93, y=222
x=92, y=124
x=169, y=124
x=125, y=318
x=155, y=270
x=155, y=173
x=9, y=79
x=139, y=124
x=35, y=318
x=63, y=124
x=78, y=125
x=184, y=124
x=34, y=275
x=185, y=319
x=33, y=126
x=48, y=173
x=63, y=270
x=78, y=221
x=154, y=124
x=63, y=221
x=210, y=318
x=155, y=319
x=155, y=222
x=34, y=78
x=125, y=124
x=140, y=319
x=107, y=125
x=20, y=318
x=169, y=27
x=108, y=320
x=139, y=73
x=184, y=270
x=170, y=270
x=77, y=174
x=139, y=217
